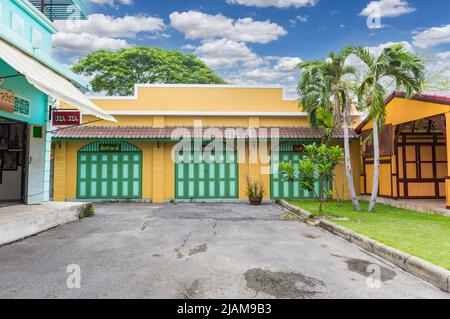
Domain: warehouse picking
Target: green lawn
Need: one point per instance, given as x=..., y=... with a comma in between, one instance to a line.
x=419, y=234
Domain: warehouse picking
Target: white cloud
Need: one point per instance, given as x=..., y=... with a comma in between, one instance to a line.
x=387, y=8
x=112, y=3
x=198, y=25
x=432, y=37
x=85, y=42
x=101, y=31
x=227, y=53
x=303, y=19
x=287, y=64
x=189, y=47
x=274, y=71
x=275, y=3
x=108, y=26
x=375, y=51
x=443, y=55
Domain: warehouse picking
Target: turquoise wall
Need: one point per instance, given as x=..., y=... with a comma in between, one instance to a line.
x=33, y=19
x=10, y=7
x=21, y=87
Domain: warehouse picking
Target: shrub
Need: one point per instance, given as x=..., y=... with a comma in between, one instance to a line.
x=318, y=164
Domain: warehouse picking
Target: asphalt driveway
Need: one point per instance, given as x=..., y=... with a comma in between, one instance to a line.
x=198, y=251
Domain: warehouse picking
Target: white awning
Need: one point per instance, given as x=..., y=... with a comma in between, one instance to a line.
x=48, y=81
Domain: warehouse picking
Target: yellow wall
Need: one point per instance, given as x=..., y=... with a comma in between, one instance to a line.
x=389, y=174
x=158, y=168
x=158, y=171
x=202, y=99
x=400, y=111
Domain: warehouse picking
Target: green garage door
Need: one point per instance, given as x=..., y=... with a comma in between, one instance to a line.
x=109, y=171
x=216, y=178
x=281, y=189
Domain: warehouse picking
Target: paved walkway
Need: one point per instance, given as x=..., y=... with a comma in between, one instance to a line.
x=197, y=251
x=19, y=221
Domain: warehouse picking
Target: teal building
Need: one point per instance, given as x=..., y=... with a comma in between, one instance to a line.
x=32, y=83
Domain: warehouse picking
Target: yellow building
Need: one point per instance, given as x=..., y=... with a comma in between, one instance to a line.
x=413, y=149
x=140, y=157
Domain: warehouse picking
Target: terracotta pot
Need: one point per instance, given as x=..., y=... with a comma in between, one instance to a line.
x=255, y=200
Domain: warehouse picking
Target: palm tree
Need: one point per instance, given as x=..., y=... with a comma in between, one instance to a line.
x=393, y=68
x=323, y=89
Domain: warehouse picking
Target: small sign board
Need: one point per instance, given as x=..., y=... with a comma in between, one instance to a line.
x=298, y=148
x=109, y=148
x=7, y=101
x=66, y=118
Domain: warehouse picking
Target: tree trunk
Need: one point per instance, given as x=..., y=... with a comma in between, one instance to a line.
x=348, y=164
x=376, y=166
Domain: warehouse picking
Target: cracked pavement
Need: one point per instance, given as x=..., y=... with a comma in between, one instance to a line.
x=197, y=251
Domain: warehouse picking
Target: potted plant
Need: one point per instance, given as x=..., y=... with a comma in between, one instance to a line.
x=255, y=192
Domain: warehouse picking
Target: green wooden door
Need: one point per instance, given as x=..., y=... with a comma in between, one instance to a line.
x=281, y=189
x=109, y=175
x=212, y=178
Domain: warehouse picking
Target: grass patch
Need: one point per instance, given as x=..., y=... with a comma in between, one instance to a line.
x=287, y=215
x=88, y=211
x=422, y=235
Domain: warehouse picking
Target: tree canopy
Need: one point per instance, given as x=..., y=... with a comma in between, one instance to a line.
x=116, y=73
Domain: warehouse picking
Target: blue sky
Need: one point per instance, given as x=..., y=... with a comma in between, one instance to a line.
x=260, y=41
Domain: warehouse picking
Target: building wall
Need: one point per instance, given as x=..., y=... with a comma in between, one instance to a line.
x=32, y=22
x=400, y=111
x=173, y=106
x=21, y=87
x=200, y=99
x=158, y=183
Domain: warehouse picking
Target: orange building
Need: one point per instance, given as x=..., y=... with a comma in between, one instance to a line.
x=414, y=149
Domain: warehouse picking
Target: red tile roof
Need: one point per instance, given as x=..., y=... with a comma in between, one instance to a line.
x=439, y=99
x=166, y=133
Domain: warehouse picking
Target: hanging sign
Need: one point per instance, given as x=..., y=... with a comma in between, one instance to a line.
x=7, y=101
x=66, y=118
x=109, y=148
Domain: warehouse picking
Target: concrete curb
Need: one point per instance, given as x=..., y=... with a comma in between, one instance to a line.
x=296, y=210
x=421, y=268
x=46, y=217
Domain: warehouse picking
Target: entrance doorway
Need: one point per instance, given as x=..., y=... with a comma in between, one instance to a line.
x=422, y=159
x=13, y=148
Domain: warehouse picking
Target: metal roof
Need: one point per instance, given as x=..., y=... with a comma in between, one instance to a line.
x=63, y=9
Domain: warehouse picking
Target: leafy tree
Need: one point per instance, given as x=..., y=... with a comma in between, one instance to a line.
x=115, y=73
x=394, y=67
x=324, y=89
x=318, y=164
